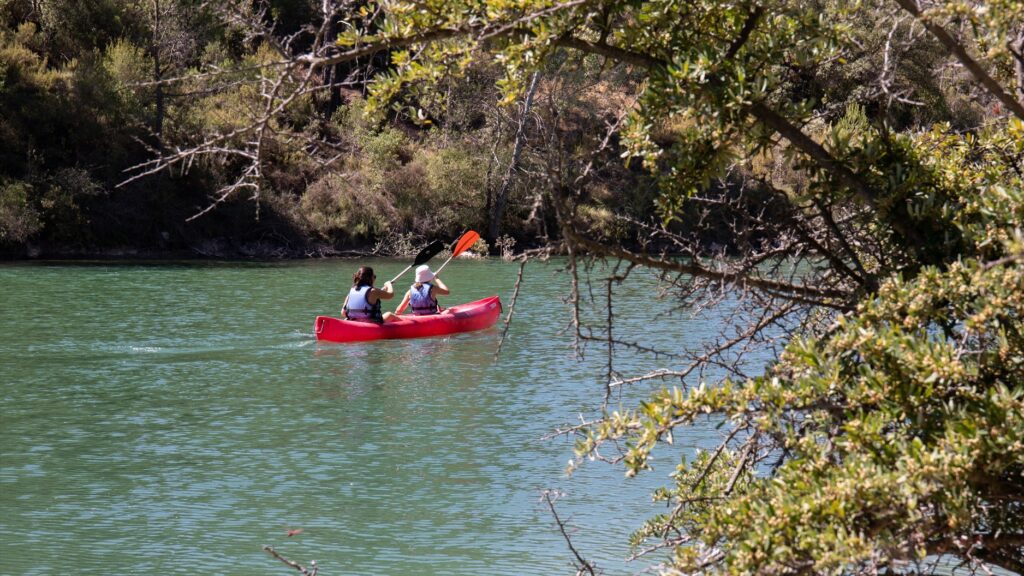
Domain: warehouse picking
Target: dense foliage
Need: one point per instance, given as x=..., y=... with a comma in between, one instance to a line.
x=888, y=434
x=897, y=434
x=91, y=92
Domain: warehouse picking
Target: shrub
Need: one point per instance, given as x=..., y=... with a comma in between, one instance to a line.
x=19, y=221
x=341, y=205
x=63, y=203
x=456, y=180
x=410, y=194
x=385, y=149
x=128, y=65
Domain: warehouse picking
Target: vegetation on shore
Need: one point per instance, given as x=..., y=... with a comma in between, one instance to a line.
x=91, y=92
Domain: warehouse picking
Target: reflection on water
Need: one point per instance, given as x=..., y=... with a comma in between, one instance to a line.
x=174, y=418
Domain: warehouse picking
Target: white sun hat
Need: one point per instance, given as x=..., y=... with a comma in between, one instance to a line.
x=423, y=274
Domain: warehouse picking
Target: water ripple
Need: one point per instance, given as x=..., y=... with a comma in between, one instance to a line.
x=174, y=418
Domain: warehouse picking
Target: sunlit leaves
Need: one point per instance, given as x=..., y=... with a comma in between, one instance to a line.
x=898, y=435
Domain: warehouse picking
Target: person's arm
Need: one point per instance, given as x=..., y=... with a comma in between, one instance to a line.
x=385, y=293
x=440, y=288
x=403, y=304
x=344, y=305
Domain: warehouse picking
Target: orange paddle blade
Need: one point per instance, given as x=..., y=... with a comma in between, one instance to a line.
x=465, y=241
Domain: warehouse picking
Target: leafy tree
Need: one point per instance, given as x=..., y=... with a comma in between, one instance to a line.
x=893, y=436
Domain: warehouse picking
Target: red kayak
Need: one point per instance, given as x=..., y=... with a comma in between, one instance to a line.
x=462, y=318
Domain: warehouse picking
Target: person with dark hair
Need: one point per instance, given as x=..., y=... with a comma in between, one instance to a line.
x=363, y=300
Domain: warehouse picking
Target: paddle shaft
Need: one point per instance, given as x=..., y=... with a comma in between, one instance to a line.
x=454, y=254
x=422, y=258
x=395, y=279
x=463, y=244
x=438, y=271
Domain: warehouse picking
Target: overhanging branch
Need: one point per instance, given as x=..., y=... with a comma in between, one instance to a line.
x=777, y=287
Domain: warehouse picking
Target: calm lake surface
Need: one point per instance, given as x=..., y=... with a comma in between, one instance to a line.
x=175, y=418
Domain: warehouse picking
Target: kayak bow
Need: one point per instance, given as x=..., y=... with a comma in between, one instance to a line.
x=462, y=318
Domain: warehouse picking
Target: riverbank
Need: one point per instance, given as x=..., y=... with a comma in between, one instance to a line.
x=213, y=249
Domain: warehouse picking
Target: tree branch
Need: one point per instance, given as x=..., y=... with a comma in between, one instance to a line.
x=293, y=564
x=584, y=567
x=700, y=271
x=957, y=49
x=748, y=27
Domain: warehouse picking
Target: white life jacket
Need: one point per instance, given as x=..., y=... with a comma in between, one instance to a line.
x=421, y=299
x=358, y=308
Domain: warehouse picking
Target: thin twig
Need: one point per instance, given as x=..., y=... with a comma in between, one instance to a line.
x=511, y=306
x=582, y=565
x=293, y=564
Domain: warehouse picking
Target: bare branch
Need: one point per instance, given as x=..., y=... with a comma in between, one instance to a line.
x=581, y=564
x=306, y=571
x=784, y=288
x=511, y=306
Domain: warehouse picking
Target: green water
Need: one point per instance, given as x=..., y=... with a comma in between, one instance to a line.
x=172, y=419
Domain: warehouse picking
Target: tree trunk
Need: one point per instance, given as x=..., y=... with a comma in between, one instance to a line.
x=158, y=73
x=158, y=120
x=501, y=197
x=1017, y=48
x=332, y=72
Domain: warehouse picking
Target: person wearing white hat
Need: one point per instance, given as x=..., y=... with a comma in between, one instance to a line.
x=422, y=294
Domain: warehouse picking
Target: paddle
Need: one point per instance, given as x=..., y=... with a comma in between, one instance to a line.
x=423, y=257
x=461, y=245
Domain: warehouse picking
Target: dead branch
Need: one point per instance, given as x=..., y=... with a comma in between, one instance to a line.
x=582, y=565
x=306, y=571
x=511, y=306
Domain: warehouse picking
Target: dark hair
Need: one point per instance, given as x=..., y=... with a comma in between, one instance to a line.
x=363, y=277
